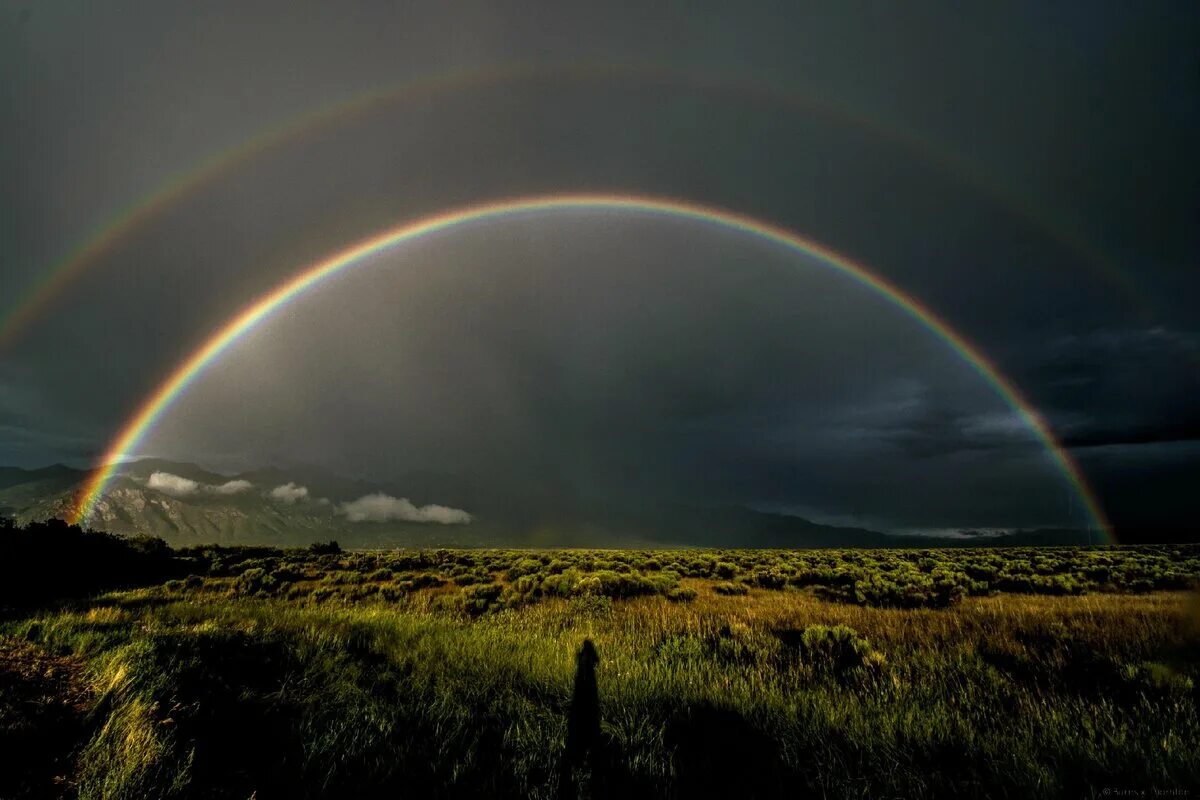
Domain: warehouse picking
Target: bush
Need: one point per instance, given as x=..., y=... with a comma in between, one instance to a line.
x=253, y=581
x=730, y=589
x=526, y=566
x=620, y=584
x=767, y=579
x=725, y=569
x=681, y=594
x=835, y=649
x=425, y=581
x=477, y=599
x=591, y=605
x=288, y=574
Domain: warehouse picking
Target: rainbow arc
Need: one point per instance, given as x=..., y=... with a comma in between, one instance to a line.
x=151, y=410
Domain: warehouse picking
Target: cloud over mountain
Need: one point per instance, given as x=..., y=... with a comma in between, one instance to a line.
x=289, y=493
x=381, y=507
x=172, y=484
x=233, y=487
x=178, y=486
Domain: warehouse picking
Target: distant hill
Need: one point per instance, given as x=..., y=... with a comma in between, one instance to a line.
x=186, y=504
x=37, y=493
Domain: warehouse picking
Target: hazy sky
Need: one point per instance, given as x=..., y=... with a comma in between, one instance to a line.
x=1027, y=170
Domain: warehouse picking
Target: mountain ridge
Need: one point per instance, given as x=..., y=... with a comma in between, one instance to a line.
x=192, y=505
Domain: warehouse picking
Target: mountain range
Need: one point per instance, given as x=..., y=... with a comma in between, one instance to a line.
x=186, y=504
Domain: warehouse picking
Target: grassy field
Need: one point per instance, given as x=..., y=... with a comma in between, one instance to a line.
x=1019, y=673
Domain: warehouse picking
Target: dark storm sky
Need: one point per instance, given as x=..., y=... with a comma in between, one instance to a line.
x=1027, y=170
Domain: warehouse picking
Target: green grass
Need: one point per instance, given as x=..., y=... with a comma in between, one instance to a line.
x=295, y=675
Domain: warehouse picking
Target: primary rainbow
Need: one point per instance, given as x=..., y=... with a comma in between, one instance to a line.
x=135, y=429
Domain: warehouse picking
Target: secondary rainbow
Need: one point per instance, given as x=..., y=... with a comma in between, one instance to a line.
x=151, y=410
x=103, y=240
x=132, y=217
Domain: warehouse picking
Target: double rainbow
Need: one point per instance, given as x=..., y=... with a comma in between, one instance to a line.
x=134, y=431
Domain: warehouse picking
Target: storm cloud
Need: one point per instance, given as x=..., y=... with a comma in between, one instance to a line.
x=567, y=361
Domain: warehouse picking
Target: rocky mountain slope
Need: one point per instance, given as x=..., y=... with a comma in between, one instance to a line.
x=186, y=504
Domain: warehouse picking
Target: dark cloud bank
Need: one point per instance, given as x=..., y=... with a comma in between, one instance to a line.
x=577, y=365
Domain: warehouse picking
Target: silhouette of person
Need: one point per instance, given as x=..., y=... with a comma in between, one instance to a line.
x=583, y=719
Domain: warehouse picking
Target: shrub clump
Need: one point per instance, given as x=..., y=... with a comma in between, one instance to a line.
x=479, y=598
x=591, y=605
x=255, y=581
x=725, y=569
x=836, y=649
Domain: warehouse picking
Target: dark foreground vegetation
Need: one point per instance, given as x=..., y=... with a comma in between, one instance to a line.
x=212, y=672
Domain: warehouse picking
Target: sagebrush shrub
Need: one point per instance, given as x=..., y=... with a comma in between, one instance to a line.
x=836, y=648
x=681, y=594
x=591, y=605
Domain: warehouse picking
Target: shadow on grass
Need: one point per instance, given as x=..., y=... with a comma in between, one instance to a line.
x=43, y=719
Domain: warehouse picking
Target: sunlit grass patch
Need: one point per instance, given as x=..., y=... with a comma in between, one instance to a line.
x=231, y=684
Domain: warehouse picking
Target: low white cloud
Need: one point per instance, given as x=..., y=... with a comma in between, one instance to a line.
x=381, y=507
x=233, y=487
x=996, y=424
x=178, y=486
x=173, y=485
x=289, y=493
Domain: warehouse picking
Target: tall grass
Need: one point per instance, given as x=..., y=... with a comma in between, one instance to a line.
x=768, y=694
